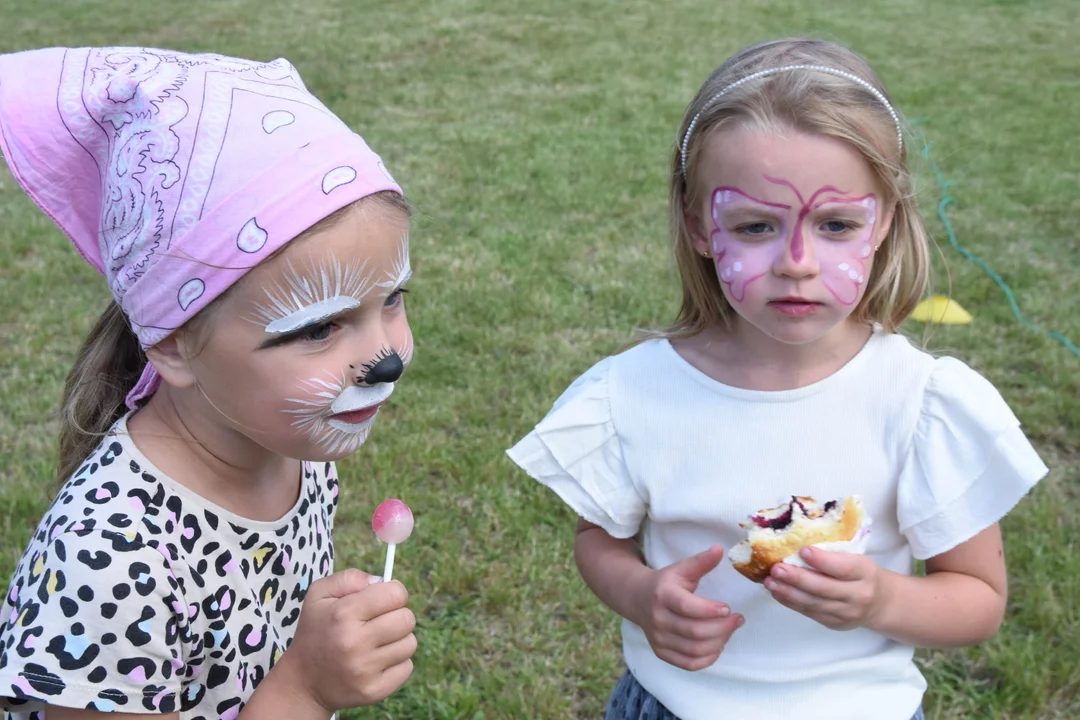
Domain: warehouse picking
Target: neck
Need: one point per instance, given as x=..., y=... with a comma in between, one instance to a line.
x=198, y=448
x=745, y=357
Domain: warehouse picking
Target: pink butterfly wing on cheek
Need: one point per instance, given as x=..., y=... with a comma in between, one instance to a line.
x=843, y=263
x=738, y=264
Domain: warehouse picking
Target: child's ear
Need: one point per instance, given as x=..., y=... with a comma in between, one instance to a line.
x=697, y=234
x=170, y=359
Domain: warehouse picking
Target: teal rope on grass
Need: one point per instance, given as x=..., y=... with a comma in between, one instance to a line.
x=944, y=203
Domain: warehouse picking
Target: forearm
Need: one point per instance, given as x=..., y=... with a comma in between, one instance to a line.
x=279, y=697
x=614, y=569
x=943, y=609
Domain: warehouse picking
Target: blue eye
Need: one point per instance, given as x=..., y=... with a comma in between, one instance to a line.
x=396, y=298
x=836, y=226
x=757, y=228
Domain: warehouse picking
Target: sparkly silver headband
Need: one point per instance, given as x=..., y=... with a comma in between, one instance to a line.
x=773, y=71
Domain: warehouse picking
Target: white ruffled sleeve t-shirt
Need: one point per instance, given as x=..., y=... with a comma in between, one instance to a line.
x=643, y=441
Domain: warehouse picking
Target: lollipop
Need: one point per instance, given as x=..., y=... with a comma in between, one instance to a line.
x=392, y=523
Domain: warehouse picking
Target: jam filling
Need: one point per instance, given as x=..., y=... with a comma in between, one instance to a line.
x=784, y=519
x=777, y=523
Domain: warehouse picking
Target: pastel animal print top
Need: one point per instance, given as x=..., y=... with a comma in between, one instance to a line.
x=137, y=595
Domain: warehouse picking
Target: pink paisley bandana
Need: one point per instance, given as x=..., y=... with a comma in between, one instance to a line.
x=174, y=174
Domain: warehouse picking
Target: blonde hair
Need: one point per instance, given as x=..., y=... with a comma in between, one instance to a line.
x=111, y=360
x=814, y=103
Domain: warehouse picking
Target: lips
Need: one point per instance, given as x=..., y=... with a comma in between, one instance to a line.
x=357, y=416
x=357, y=405
x=795, y=306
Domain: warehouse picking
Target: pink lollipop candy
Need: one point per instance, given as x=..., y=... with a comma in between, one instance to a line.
x=392, y=523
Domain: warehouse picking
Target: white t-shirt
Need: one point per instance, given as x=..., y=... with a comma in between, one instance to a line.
x=644, y=440
x=136, y=595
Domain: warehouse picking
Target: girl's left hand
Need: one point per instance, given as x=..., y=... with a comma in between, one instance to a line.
x=842, y=592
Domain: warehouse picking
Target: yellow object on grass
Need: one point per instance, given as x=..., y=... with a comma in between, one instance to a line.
x=942, y=310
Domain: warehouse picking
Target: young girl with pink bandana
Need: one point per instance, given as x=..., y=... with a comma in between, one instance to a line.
x=801, y=252
x=257, y=251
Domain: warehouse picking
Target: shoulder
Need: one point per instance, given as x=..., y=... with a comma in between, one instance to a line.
x=88, y=610
x=595, y=390
x=937, y=389
x=954, y=390
x=906, y=366
x=643, y=355
x=111, y=491
x=88, y=582
x=645, y=368
x=968, y=462
x=86, y=561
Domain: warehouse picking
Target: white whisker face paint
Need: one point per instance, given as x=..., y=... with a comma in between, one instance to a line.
x=401, y=271
x=405, y=352
x=336, y=414
x=301, y=299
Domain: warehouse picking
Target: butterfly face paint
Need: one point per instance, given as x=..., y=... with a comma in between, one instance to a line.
x=829, y=234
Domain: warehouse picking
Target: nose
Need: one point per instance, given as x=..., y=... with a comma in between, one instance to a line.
x=385, y=368
x=797, y=258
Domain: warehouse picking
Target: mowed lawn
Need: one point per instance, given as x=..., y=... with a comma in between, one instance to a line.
x=534, y=139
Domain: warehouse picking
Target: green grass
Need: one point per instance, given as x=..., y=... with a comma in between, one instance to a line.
x=534, y=142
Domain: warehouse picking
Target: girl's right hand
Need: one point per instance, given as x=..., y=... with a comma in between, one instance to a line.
x=353, y=643
x=685, y=629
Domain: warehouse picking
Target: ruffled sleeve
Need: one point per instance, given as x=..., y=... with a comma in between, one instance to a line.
x=575, y=451
x=969, y=462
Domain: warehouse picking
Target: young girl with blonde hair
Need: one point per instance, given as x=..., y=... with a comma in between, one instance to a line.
x=801, y=252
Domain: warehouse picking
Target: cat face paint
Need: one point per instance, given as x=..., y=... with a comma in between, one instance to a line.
x=284, y=364
x=829, y=234
x=337, y=411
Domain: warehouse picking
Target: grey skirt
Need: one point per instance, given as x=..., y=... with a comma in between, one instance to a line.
x=630, y=701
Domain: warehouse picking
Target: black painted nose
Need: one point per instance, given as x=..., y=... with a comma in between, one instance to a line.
x=388, y=369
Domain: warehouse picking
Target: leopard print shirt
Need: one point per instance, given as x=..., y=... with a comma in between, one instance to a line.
x=137, y=595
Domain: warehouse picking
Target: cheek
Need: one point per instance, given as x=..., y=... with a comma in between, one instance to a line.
x=739, y=264
x=286, y=386
x=401, y=338
x=845, y=266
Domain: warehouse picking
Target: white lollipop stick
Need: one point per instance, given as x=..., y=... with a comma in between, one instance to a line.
x=388, y=569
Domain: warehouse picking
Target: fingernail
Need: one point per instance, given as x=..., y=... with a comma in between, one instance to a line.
x=769, y=583
x=739, y=621
x=724, y=611
x=779, y=571
x=375, y=579
x=806, y=553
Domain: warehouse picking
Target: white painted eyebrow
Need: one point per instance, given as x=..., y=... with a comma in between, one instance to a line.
x=313, y=314
x=300, y=299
